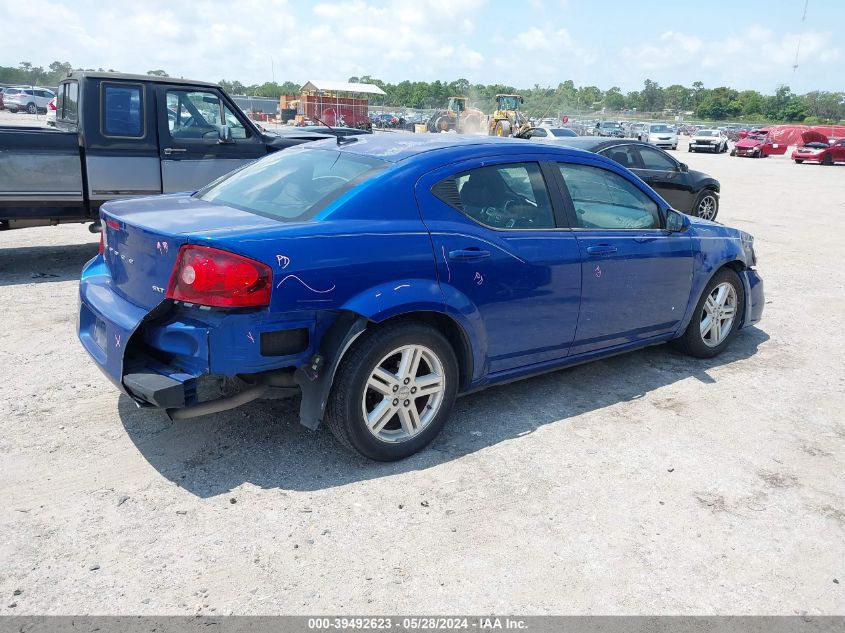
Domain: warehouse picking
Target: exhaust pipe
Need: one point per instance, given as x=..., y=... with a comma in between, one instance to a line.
x=221, y=404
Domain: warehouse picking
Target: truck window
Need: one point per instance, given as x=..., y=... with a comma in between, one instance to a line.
x=199, y=115
x=122, y=110
x=66, y=101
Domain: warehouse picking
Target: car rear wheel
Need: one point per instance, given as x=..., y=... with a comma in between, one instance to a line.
x=31, y=108
x=716, y=318
x=706, y=205
x=394, y=391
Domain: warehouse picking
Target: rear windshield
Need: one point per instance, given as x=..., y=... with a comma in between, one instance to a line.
x=661, y=128
x=293, y=184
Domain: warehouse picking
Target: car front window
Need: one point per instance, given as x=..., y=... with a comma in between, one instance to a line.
x=605, y=200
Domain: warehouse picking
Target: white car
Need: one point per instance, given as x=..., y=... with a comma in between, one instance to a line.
x=659, y=134
x=51, y=112
x=715, y=141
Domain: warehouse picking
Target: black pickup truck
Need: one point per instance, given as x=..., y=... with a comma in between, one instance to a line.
x=119, y=136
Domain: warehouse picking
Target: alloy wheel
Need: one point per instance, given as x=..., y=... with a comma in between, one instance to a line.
x=718, y=314
x=707, y=207
x=403, y=393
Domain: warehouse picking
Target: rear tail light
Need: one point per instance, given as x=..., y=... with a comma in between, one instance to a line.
x=211, y=277
x=52, y=104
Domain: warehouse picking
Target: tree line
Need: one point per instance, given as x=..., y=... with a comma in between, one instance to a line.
x=718, y=104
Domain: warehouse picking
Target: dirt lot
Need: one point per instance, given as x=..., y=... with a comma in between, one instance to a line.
x=648, y=483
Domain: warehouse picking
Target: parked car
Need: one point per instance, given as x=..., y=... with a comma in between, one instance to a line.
x=715, y=141
x=635, y=130
x=124, y=136
x=689, y=191
x=2, y=100
x=659, y=134
x=609, y=128
x=51, y=112
x=549, y=133
x=758, y=144
x=381, y=277
x=32, y=100
x=816, y=148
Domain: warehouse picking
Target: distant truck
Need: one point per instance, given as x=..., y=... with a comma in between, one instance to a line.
x=119, y=136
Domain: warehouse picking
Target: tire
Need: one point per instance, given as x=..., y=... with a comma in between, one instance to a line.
x=733, y=152
x=706, y=205
x=690, y=149
x=31, y=108
x=353, y=393
x=693, y=342
x=798, y=161
x=827, y=160
x=503, y=128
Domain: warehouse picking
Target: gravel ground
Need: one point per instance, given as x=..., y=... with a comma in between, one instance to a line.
x=650, y=483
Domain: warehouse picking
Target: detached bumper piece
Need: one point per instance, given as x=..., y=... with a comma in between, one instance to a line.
x=155, y=389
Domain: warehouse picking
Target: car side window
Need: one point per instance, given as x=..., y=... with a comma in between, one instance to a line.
x=537, y=132
x=508, y=196
x=122, y=113
x=655, y=159
x=605, y=200
x=625, y=155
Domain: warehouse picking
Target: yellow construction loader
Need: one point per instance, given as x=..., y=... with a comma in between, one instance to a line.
x=458, y=117
x=508, y=120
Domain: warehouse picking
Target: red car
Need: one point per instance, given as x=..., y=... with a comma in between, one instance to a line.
x=817, y=149
x=758, y=144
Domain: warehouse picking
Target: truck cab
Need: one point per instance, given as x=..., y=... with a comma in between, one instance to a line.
x=120, y=136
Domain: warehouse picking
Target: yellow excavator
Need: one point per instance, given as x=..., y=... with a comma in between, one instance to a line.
x=508, y=120
x=457, y=117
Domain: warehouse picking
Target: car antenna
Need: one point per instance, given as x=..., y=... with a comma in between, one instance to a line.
x=340, y=141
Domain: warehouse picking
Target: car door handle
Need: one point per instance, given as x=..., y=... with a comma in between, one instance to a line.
x=173, y=150
x=468, y=254
x=602, y=249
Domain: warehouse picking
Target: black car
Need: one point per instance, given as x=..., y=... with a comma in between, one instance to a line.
x=692, y=192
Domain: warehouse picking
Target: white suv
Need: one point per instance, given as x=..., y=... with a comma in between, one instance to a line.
x=32, y=100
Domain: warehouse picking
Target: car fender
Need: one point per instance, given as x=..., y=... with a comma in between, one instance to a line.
x=409, y=296
x=376, y=305
x=713, y=249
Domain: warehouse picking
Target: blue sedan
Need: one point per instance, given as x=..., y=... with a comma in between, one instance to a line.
x=381, y=276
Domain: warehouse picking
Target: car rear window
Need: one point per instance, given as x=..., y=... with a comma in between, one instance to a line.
x=293, y=184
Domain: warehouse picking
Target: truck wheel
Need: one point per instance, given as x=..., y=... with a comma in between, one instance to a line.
x=31, y=108
x=394, y=391
x=716, y=318
x=503, y=128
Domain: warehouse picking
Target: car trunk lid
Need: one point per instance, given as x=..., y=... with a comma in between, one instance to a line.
x=142, y=238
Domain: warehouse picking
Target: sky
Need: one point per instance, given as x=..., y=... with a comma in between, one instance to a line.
x=745, y=44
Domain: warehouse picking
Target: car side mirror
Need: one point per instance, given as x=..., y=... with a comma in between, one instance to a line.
x=683, y=167
x=225, y=134
x=676, y=222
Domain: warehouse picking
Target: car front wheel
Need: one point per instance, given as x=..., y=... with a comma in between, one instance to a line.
x=716, y=318
x=394, y=391
x=706, y=205
x=32, y=109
